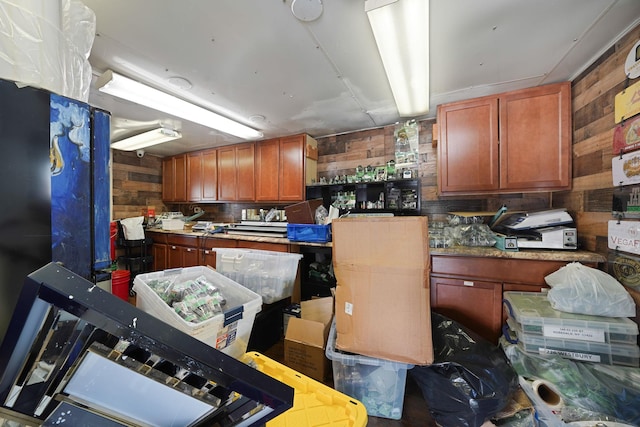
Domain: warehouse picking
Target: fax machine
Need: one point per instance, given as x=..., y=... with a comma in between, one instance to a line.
x=549, y=229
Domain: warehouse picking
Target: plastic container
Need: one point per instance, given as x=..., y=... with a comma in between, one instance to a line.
x=314, y=404
x=379, y=384
x=228, y=332
x=309, y=233
x=583, y=351
x=535, y=316
x=269, y=274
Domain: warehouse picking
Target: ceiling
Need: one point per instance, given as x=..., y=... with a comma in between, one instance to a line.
x=255, y=62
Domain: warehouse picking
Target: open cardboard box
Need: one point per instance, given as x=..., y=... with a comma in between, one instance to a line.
x=382, y=294
x=306, y=338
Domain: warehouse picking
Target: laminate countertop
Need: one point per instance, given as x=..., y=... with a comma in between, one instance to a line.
x=532, y=254
x=468, y=251
x=244, y=237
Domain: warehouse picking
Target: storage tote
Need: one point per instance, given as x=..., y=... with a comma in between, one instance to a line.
x=379, y=384
x=270, y=274
x=228, y=331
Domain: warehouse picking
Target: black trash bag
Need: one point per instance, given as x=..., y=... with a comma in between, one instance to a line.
x=470, y=380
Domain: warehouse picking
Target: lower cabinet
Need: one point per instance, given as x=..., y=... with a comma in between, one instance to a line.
x=182, y=251
x=469, y=289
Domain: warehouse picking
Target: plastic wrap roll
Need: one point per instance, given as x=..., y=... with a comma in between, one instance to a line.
x=547, y=393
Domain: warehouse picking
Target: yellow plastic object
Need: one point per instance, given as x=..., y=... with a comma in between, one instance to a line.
x=314, y=404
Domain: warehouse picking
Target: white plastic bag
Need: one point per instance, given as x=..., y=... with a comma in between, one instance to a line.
x=576, y=288
x=132, y=228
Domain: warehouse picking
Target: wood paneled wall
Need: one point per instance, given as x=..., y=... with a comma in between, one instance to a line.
x=593, y=93
x=137, y=184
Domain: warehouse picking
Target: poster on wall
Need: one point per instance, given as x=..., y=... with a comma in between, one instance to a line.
x=625, y=169
x=627, y=103
x=626, y=136
x=624, y=236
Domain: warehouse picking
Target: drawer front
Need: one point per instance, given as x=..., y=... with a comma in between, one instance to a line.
x=182, y=240
x=495, y=269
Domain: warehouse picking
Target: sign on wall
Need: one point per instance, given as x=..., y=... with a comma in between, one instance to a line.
x=627, y=103
x=624, y=236
x=626, y=136
x=625, y=169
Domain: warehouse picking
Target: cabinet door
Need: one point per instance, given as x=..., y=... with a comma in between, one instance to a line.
x=292, y=169
x=174, y=256
x=267, y=175
x=168, y=179
x=474, y=304
x=159, y=252
x=210, y=175
x=468, y=146
x=194, y=176
x=227, y=181
x=245, y=169
x=208, y=257
x=174, y=179
x=535, y=135
x=180, y=178
x=190, y=257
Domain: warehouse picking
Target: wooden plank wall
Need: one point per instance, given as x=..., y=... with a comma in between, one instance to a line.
x=137, y=184
x=593, y=125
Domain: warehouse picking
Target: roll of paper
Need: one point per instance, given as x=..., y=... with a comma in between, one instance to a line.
x=548, y=393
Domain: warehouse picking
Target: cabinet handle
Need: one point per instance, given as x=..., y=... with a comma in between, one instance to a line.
x=467, y=283
x=173, y=247
x=189, y=250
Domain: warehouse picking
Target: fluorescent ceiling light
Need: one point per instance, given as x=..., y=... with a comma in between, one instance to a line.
x=401, y=30
x=126, y=88
x=146, y=139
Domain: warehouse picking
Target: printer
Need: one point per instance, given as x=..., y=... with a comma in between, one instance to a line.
x=548, y=229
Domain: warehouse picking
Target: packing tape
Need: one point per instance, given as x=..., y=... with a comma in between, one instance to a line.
x=547, y=392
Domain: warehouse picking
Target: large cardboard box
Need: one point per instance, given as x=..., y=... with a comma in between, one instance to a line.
x=382, y=295
x=306, y=338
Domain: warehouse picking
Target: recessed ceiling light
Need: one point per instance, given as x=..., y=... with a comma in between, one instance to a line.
x=180, y=82
x=307, y=10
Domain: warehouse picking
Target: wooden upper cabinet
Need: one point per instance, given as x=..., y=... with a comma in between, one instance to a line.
x=267, y=174
x=468, y=148
x=174, y=178
x=516, y=141
x=245, y=164
x=293, y=163
x=202, y=176
x=236, y=172
x=536, y=126
x=284, y=166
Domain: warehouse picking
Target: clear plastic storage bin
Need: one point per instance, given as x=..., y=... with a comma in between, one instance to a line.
x=269, y=274
x=228, y=331
x=583, y=351
x=379, y=384
x=535, y=316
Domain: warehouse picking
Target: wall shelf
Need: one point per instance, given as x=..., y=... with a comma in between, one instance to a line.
x=400, y=197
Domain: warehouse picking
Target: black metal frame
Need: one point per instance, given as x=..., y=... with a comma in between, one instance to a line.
x=100, y=323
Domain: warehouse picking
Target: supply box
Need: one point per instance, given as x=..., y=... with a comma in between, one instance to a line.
x=379, y=384
x=583, y=351
x=382, y=305
x=303, y=212
x=306, y=337
x=535, y=317
x=314, y=404
x=269, y=274
x=309, y=233
x=228, y=331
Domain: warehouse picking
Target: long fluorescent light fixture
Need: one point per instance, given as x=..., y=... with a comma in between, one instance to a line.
x=123, y=87
x=146, y=139
x=401, y=31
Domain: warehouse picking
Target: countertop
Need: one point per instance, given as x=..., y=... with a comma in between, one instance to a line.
x=245, y=237
x=533, y=254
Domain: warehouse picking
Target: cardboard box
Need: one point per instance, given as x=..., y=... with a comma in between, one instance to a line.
x=306, y=338
x=382, y=294
x=303, y=212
